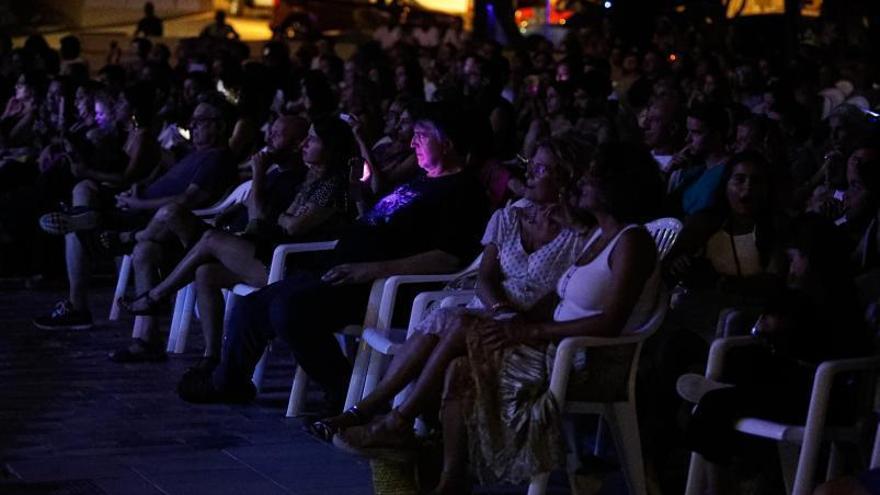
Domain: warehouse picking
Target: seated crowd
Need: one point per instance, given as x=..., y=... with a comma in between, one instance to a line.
x=421, y=153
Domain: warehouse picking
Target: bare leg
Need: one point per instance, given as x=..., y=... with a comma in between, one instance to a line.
x=145, y=259
x=210, y=279
x=454, y=477
x=404, y=368
x=172, y=221
x=451, y=346
x=78, y=269
x=234, y=253
x=78, y=272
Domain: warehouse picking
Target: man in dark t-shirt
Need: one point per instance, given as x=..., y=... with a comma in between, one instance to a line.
x=201, y=177
x=429, y=225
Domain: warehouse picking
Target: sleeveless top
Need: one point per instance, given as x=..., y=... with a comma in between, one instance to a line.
x=582, y=289
x=734, y=255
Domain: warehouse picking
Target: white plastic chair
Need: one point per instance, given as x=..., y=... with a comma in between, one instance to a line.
x=377, y=344
x=809, y=436
x=620, y=415
x=277, y=269
x=238, y=195
x=665, y=232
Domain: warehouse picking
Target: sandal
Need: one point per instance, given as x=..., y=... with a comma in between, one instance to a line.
x=388, y=437
x=140, y=351
x=324, y=429
x=153, y=307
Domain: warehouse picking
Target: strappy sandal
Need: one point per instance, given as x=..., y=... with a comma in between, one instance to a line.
x=388, y=437
x=153, y=307
x=324, y=429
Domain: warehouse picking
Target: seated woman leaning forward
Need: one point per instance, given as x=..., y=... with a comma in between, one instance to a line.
x=498, y=415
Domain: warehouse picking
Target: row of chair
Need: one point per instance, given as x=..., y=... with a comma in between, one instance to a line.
x=379, y=341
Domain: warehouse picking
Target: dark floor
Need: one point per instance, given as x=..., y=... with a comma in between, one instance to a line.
x=72, y=422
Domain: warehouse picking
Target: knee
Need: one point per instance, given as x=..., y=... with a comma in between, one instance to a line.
x=146, y=253
x=169, y=212
x=84, y=191
x=206, y=277
x=210, y=238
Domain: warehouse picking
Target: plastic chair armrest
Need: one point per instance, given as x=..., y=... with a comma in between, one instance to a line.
x=717, y=352
x=279, y=256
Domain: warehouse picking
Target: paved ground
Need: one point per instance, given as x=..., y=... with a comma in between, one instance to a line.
x=72, y=422
x=69, y=415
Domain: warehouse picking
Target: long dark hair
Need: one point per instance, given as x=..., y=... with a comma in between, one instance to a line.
x=766, y=222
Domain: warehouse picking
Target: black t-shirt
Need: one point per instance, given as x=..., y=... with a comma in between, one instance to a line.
x=446, y=213
x=282, y=185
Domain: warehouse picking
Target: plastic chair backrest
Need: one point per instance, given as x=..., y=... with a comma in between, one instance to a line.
x=665, y=232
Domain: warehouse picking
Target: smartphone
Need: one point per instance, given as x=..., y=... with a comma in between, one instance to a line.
x=184, y=133
x=347, y=118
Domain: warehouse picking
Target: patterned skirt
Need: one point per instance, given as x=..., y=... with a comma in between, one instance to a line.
x=513, y=421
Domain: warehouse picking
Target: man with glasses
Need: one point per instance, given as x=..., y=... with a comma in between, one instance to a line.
x=196, y=180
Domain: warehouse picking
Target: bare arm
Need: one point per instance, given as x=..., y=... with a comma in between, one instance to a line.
x=631, y=263
x=435, y=261
x=192, y=197
x=489, y=288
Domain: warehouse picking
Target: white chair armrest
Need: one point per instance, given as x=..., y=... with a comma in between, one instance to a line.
x=459, y=298
x=279, y=256
x=380, y=341
x=565, y=355
x=244, y=289
x=423, y=300
x=393, y=283
x=719, y=349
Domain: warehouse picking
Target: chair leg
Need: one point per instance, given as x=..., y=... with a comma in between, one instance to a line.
x=696, y=475
x=297, y=393
x=121, y=285
x=538, y=485
x=176, y=313
x=625, y=429
x=259, y=370
x=186, y=316
x=374, y=371
x=358, y=374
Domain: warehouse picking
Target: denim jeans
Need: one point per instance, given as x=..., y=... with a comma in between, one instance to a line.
x=305, y=312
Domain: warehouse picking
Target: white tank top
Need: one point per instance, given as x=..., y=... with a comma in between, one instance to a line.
x=582, y=289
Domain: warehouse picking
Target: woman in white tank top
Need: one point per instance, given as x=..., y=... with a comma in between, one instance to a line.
x=498, y=414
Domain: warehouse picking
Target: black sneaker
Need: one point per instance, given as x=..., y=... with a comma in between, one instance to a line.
x=77, y=219
x=64, y=317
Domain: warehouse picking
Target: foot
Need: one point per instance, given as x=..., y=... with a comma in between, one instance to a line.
x=64, y=317
x=142, y=305
x=198, y=388
x=324, y=429
x=692, y=387
x=387, y=437
x=205, y=365
x=76, y=220
x=140, y=351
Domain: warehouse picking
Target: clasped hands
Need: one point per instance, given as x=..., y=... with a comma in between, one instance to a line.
x=352, y=273
x=501, y=334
